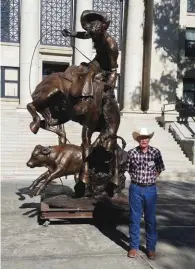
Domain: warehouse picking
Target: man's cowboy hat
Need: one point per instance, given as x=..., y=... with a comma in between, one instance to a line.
x=142, y=132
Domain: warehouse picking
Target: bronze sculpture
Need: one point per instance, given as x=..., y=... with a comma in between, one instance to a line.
x=64, y=160
x=84, y=94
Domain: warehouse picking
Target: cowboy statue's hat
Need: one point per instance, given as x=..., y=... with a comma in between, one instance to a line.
x=142, y=132
x=88, y=16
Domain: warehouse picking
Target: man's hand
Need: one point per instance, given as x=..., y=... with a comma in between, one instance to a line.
x=66, y=33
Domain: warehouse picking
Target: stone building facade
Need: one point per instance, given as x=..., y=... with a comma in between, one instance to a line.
x=32, y=47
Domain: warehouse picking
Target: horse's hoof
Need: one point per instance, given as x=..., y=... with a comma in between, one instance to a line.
x=34, y=127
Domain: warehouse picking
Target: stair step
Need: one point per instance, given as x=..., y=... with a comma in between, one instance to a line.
x=17, y=143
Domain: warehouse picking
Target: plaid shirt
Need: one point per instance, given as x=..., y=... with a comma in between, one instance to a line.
x=143, y=167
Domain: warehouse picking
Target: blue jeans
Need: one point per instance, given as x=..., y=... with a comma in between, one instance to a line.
x=143, y=199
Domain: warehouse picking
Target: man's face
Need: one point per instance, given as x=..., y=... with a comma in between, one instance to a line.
x=143, y=141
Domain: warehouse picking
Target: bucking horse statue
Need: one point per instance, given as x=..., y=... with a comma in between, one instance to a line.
x=84, y=94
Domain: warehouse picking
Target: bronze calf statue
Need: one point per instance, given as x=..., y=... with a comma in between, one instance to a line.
x=61, y=160
x=64, y=160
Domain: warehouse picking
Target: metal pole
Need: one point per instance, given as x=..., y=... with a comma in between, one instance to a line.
x=74, y=2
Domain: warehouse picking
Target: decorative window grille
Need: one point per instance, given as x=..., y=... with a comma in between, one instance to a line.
x=10, y=20
x=114, y=10
x=55, y=16
x=191, y=6
x=190, y=42
x=10, y=82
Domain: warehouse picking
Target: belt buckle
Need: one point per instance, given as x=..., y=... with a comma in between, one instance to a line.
x=148, y=184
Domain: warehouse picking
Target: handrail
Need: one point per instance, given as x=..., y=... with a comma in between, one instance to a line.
x=191, y=138
x=164, y=105
x=181, y=107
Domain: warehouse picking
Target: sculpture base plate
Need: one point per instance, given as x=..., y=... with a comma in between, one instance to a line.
x=63, y=207
x=59, y=202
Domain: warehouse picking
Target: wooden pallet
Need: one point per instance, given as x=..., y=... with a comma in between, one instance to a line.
x=48, y=212
x=72, y=209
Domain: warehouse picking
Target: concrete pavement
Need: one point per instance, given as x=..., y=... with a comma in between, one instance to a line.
x=81, y=244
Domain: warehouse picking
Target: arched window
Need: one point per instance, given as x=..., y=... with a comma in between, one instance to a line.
x=55, y=16
x=114, y=10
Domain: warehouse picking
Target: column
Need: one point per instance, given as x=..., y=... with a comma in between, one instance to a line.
x=133, y=56
x=29, y=36
x=181, y=55
x=84, y=45
x=147, y=52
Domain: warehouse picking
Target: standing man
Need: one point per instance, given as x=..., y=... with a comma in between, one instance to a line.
x=144, y=165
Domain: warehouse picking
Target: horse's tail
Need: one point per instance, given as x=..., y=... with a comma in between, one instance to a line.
x=123, y=141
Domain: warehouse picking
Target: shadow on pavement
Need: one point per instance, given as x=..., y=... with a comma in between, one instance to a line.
x=176, y=226
x=175, y=219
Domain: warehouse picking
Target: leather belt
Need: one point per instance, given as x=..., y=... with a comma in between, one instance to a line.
x=143, y=185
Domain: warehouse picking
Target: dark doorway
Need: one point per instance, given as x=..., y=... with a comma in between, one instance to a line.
x=49, y=68
x=189, y=91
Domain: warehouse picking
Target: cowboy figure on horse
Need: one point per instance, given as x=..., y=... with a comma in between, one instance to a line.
x=104, y=65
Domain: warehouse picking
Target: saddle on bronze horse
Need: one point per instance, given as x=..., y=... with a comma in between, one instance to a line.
x=85, y=83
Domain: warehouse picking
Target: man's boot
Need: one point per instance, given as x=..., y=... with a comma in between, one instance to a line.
x=132, y=253
x=151, y=255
